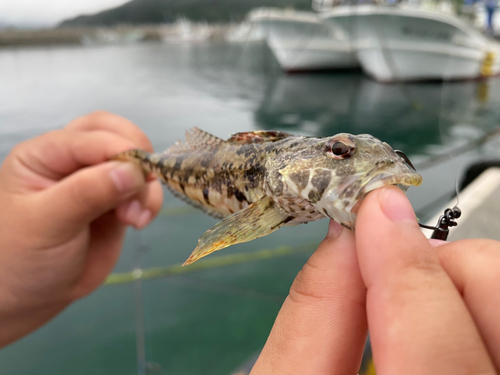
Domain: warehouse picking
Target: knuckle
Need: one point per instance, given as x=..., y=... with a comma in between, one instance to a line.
x=89, y=196
x=423, y=262
x=101, y=115
x=32, y=144
x=305, y=288
x=19, y=148
x=92, y=118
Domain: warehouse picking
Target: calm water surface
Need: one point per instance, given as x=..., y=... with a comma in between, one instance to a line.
x=210, y=321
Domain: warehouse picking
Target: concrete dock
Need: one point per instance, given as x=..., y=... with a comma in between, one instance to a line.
x=103, y=35
x=480, y=205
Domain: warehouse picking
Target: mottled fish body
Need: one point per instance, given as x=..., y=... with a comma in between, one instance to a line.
x=256, y=182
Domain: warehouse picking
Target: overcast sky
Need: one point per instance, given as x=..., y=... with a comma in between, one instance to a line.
x=49, y=12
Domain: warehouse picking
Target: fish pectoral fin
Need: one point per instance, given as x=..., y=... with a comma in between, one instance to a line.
x=257, y=220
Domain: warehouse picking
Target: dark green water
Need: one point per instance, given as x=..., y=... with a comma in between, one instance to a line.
x=210, y=321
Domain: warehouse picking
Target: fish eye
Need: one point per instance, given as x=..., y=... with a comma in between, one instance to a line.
x=340, y=148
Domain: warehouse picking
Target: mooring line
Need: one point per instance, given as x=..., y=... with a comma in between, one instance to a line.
x=226, y=260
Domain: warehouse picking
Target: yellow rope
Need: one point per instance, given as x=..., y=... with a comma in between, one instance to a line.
x=227, y=260
x=370, y=370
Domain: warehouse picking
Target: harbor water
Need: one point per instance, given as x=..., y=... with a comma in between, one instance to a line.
x=214, y=318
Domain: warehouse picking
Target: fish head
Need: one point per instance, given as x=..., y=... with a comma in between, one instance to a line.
x=335, y=173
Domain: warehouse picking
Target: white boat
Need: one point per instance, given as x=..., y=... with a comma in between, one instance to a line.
x=302, y=41
x=395, y=43
x=245, y=32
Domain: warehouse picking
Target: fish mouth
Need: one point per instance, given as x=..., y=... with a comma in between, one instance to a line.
x=402, y=181
x=343, y=207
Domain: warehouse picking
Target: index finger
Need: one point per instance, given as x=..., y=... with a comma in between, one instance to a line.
x=321, y=327
x=38, y=163
x=105, y=121
x=474, y=267
x=416, y=316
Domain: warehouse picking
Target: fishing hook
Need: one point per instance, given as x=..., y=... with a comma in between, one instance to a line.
x=402, y=155
x=445, y=221
x=441, y=230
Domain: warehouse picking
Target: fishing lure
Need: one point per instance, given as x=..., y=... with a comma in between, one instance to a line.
x=445, y=221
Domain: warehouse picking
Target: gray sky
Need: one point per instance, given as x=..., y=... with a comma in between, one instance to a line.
x=49, y=12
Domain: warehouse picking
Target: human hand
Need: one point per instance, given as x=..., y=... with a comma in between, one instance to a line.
x=64, y=214
x=430, y=310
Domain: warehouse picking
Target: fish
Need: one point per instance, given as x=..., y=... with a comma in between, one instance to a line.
x=258, y=181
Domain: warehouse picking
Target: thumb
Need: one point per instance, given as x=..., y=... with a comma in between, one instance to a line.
x=89, y=193
x=388, y=236
x=416, y=315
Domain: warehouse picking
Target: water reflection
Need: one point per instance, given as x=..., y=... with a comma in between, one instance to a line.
x=411, y=116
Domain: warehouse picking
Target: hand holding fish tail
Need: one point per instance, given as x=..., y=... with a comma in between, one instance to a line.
x=64, y=207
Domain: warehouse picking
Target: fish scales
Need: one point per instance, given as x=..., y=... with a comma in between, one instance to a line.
x=259, y=181
x=218, y=179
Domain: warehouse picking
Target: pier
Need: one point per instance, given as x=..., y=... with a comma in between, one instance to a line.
x=76, y=36
x=480, y=205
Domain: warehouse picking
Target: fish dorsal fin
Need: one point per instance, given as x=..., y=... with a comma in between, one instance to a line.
x=258, y=136
x=177, y=149
x=195, y=139
x=257, y=220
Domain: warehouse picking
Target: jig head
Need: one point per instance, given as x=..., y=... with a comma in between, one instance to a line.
x=441, y=230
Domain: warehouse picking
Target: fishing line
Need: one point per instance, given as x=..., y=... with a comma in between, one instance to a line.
x=448, y=219
x=246, y=42
x=459, y=150
x=457, y=194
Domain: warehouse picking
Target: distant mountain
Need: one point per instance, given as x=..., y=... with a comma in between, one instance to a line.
x=159, y=11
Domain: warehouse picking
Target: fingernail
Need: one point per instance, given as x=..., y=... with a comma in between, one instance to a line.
x=144, y=219
x=133, y=212
x=126, y=176
x=334, y=229
x=395, y=205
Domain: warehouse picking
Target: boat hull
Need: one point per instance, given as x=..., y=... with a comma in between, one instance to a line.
x=300, y=41
x=397, y=44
